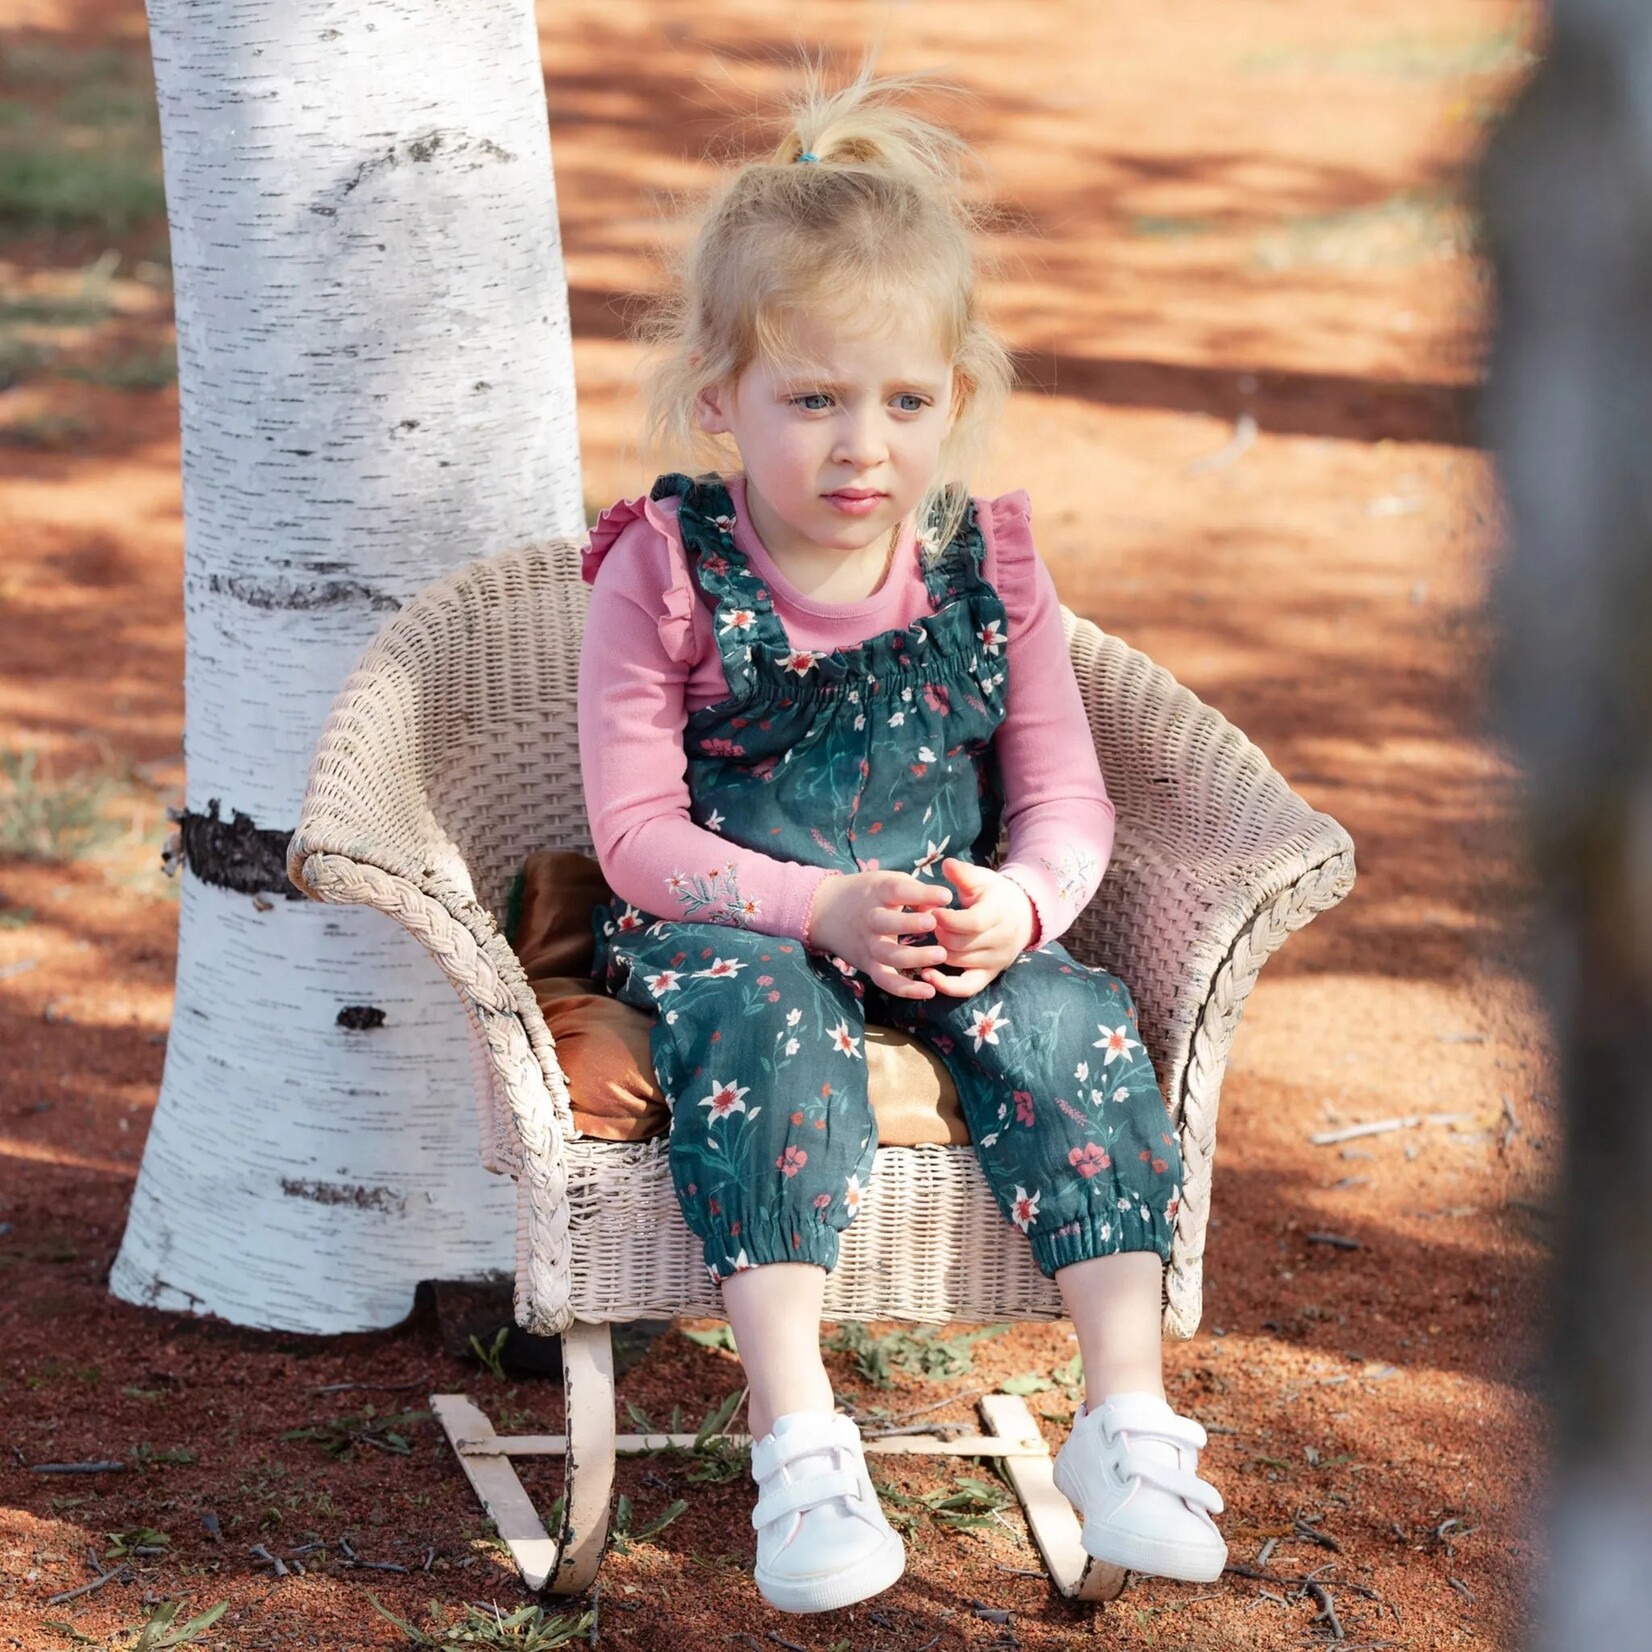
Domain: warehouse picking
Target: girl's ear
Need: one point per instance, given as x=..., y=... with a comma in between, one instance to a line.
x=709, y=413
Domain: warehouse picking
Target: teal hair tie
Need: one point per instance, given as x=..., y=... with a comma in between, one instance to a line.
x=806, y=156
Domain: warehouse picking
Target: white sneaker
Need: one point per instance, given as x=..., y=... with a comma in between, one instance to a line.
x=822, y=1539
x=1128, y=1468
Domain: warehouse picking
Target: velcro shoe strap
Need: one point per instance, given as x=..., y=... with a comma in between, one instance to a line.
x=795, y=1496
x=1177, y=1481
x=775, y=1451
x=1178, y=1430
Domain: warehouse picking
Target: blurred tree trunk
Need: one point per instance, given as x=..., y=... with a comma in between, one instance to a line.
x=377, y=384
x=1568, y=193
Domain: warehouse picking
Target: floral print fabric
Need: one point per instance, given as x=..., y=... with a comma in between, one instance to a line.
x=877, y=756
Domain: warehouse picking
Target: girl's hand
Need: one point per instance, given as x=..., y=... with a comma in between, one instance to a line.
x=861, y=917
x=994, y=925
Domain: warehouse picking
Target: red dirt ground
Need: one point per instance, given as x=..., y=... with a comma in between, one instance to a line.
x=1212, y=209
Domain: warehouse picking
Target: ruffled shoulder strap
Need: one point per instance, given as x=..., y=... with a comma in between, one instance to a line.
x=614, y=521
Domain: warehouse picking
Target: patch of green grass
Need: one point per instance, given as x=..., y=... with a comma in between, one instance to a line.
x=970, y=1502
x=1402, y=58
x=528, y=1629
x=47, y=184
x=142, y=370
x=1155, y=226
x=141, y=1541
x=48, y=432
x=922, y=1353
x=341, y=1436
x=1403, y=229
x=625, y=1537
x=46, y=819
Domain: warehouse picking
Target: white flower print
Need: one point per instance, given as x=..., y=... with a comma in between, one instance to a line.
x=933, y=853
x=738, y=1264
x=791, y=1046
x=987, y=1025
x=987, y=1141
x=1115, y=1041
x=1121, y=1094
x=992, y=639
x=1096, y=1098
x=925, y=755
x=843, y=1041
x=793, y=1017
x=630, y=918
x=1024, y=1208
x=1074, y=871
x=800, y=660
x=714, y=821
x=851, y=1195
x=906, y=694
x=676, y=881
x=897, y=719
x=739, y=619
x=1082, y=1071
x=749, y=908
x=725, y=1099
x=668, y=980
x=720, y=970
x=854, y=696
x=860, y=721
x=671, y=1018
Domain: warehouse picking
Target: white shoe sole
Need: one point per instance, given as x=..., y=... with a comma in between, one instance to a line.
x=1137, y=1552
x=827, y=1591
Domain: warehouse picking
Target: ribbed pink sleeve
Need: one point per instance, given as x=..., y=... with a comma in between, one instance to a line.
x=1059, y=816
x=649, y=654
x=632, y=714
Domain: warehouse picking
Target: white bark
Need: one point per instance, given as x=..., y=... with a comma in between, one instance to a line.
x=377, y=384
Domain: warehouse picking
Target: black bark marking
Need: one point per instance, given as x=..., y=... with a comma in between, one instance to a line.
x=385, y=1199
x=360, y=1017
x=422, y=150
x=237, y=854
x=331, y=593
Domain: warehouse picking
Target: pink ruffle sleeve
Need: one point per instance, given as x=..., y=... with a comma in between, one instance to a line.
x=1059, y=817
x=640, y=646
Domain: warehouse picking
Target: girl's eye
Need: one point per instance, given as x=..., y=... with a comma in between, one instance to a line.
x=812, y=401
x=911, y=396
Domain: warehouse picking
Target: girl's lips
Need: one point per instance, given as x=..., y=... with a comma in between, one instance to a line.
x=855, y=503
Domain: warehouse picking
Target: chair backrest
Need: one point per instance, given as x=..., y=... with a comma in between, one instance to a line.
x=453, y=750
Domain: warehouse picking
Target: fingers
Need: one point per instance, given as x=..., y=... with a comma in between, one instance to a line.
x=902, y=889
x=887, y=920
x=896, y=984
x=966, y=985
x=960, y=928
x=900, y=957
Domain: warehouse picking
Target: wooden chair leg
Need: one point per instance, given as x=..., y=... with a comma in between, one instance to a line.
x=588, y=1390
x=568, y=1563
x=1050, y=1516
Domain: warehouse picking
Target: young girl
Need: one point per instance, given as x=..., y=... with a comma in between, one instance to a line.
x=811, y=692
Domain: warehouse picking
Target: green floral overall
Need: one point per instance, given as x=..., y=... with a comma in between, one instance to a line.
x=877, y=755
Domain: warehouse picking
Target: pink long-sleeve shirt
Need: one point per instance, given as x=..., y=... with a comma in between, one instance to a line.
x=650, y=657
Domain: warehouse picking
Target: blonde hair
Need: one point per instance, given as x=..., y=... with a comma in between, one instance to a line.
x=876, y=219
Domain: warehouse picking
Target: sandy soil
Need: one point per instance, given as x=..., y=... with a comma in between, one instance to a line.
x=1210, y=211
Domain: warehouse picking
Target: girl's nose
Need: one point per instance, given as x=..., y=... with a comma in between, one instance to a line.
x=861, y=442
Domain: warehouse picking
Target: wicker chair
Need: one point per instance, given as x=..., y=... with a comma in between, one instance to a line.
x=451, y=753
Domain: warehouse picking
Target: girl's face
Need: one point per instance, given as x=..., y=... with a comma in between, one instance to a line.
x=837, y=454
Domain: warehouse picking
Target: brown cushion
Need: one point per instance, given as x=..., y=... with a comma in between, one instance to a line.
x=602, y=1044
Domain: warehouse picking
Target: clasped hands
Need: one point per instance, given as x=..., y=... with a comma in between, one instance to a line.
x=876, y=921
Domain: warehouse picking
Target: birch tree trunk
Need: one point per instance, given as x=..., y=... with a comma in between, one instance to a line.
x=377, y=384
x=1569, y=204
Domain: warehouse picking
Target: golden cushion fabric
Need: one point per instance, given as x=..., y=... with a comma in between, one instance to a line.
x=602, y=1044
